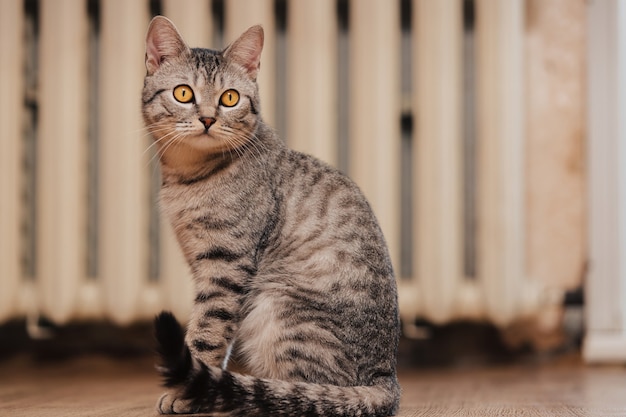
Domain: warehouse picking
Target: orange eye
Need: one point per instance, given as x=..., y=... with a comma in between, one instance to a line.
x=229, y=98
x=183, y=93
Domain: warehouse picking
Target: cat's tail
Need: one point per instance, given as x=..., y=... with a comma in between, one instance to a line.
x=176, y=360
x=210, y=389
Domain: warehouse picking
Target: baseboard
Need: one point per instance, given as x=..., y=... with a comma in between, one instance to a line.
x=605, y=347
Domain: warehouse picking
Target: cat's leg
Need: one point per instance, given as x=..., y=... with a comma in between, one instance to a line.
x=215, y=318
x=284, y=338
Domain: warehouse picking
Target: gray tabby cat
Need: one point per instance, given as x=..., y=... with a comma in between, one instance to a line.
x=290, y=267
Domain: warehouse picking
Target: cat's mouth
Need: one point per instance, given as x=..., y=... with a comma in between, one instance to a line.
x=208, y=141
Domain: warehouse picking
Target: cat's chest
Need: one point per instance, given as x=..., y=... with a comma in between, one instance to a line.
x=202, y=216
x=182, y=205
x=190, y=211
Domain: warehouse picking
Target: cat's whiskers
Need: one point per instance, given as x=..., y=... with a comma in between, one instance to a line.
x=154, y=131
x=174, y=140
x=234, y=147
x=146, y=130
x=158, y=127
x=159, y=139
x=238, y=146
x=231, y=148
x=256, y=148
x=242, y=141
x=168, y=137
x=230, y=136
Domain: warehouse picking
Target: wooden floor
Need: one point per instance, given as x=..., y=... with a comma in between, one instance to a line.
x=96, y=386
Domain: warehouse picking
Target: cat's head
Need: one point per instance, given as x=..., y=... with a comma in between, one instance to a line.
x=200, y=102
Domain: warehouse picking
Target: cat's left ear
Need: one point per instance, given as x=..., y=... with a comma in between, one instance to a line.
x=163, y=41
x=246, y=50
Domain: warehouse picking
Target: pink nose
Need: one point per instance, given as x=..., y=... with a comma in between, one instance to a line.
x=207, y=122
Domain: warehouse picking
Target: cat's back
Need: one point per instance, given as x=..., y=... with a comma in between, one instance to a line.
x=316, y=190
x=327, y=225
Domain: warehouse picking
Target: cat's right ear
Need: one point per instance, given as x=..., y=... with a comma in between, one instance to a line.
x=163, y=41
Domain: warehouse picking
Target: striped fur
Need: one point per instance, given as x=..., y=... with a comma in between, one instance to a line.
x=290, y=267
x=212, y=389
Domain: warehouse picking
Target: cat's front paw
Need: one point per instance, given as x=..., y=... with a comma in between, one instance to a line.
x=170, y=403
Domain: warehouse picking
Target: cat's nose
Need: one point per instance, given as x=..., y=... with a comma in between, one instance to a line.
x=207, y=122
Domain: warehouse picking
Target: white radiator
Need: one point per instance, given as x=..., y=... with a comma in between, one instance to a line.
x=88, y=250
x=605, y=340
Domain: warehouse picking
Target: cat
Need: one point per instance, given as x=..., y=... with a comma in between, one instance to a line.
x=290, y=268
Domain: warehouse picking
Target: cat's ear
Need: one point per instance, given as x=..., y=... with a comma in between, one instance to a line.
x=246, y=50
x=163, y=41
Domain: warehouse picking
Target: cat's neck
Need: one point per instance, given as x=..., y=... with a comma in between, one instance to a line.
x=184, y=164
